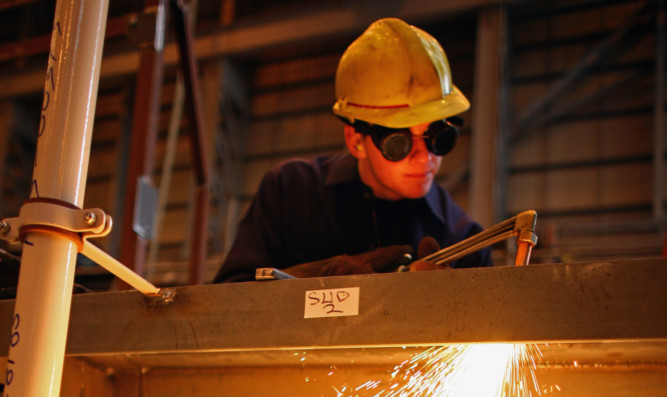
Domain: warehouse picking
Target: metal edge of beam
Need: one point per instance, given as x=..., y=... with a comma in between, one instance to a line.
x=578, y=302
x=329, y=23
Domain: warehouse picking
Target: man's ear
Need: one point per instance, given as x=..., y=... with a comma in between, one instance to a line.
x=355, y=142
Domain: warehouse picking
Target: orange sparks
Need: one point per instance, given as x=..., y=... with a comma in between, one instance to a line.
x=486, y=370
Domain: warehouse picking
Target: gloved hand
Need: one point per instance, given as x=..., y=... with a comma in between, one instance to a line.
x=427, y=246
x=377, y=261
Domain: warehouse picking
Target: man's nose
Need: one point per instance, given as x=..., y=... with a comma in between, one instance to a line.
x=419, y=151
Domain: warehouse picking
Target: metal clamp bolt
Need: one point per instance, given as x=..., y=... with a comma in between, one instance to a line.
x=90, y=218
x=4, y=227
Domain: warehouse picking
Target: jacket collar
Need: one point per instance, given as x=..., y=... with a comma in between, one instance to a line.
x=343, y=169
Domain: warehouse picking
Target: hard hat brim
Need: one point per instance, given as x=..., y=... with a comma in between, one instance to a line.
x=404, y=116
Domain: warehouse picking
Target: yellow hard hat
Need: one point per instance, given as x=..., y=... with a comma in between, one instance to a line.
x=396, y=75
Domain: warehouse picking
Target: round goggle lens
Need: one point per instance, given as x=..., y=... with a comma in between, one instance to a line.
x=396, y=146
x=441, y=138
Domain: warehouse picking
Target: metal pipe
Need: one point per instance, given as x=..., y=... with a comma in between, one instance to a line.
x=41, y=311
x=523, y=251
x=522, y=226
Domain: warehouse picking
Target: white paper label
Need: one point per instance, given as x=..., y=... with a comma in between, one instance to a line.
x=332, y=302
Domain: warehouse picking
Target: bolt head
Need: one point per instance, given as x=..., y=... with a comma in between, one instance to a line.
x=90, y=218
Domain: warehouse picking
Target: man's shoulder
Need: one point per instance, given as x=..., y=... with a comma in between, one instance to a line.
x=445, y=207
x=314, y=168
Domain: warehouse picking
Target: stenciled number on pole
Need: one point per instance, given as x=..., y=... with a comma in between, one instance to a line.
x=49, y=89
x=14, y=341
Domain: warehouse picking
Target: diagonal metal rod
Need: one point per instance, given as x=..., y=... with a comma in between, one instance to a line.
x=561, y=112
x=527, y=116
x=199, y=153
x=119, y=270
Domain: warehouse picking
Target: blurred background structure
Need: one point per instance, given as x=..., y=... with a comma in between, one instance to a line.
x=198, y=99
x=567, y=118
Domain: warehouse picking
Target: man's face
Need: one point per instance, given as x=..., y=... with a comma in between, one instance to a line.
x=408, y=178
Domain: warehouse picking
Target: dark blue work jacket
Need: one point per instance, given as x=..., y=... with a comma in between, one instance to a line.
x=307, y=210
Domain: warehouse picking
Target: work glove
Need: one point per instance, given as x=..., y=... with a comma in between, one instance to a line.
x=379, y=260
x=427, y=246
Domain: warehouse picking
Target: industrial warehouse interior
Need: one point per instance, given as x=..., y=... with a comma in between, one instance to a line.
x=195, y=101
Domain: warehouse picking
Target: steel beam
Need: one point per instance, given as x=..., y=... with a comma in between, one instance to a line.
x=332, y=22
x=619, y=301
x=41, y=44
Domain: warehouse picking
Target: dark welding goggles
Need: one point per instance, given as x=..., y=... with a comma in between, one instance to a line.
x=395, y=144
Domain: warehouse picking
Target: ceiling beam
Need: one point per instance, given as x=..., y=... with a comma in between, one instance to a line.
x=7, y=4
x=327, y=24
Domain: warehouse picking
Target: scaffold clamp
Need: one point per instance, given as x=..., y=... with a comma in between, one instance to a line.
x=45, y=215
x=53, y=216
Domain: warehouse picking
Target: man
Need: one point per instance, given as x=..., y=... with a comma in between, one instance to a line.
x=362, y=211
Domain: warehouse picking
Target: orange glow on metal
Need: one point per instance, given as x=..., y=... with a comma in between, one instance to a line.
x=485, y=370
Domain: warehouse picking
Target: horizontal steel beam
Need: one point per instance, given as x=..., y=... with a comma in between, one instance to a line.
x=328, y=23
x=578, y=302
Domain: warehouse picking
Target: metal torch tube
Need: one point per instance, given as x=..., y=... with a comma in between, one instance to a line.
x=480, y=240
x=41, y=311
x=523, y=250
x=522, y=226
